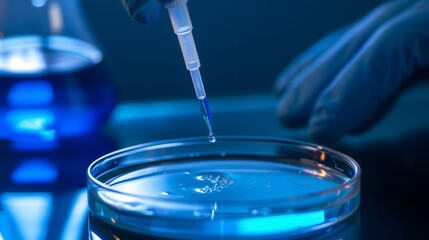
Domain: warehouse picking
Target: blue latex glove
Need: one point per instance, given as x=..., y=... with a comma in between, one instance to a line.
x=144, y=11
x=347, y=80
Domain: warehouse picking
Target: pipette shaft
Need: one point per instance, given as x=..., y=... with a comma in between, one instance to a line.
x=182, y=25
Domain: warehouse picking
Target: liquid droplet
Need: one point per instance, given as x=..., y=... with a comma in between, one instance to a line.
x=212, y=137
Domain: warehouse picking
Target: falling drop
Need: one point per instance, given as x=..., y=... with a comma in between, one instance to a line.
x=212, y=137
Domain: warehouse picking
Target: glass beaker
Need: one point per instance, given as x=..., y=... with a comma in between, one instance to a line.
x=235, y=188
x=53, y=82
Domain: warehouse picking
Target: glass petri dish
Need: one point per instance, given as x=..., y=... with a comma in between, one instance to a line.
x=236, y=188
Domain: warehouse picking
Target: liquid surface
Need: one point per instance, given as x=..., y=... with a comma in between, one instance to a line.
x=35, y=55
x=225, y=180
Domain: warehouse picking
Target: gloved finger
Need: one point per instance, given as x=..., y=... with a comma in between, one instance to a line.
x=143, y=11
x=295, y=106
x=306, y=58
x=373, y=77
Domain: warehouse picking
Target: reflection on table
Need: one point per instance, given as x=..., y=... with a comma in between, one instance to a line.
x=42, y=187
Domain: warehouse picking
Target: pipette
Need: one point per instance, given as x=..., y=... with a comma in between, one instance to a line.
x=182, y=26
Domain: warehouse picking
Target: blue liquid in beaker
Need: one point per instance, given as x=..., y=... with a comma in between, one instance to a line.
x=51, y=87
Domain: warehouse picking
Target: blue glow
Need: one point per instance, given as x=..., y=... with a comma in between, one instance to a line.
x=35, y=171
x=76, y=219
x=38, y=3
x=279, y=224
x=30, y=212
x=30, y=94
x=32, y=122
x=77, y=122
x=33, y=145
x=6, y=227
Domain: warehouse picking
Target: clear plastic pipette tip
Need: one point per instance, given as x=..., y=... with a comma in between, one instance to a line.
x=205, y=111
x=204, y=105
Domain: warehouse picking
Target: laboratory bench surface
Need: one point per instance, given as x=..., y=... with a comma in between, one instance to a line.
x=50, y=203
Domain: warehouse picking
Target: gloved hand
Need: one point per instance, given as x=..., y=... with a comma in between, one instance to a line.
x=347, y=80
x=144, y=11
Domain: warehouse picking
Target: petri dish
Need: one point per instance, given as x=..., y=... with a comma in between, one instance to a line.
x=236, y=188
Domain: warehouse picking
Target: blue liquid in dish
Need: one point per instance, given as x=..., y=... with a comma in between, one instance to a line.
x=51, y=87
x=224, y=180
x=250, y=186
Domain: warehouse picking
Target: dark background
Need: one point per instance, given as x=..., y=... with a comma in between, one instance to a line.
x=243, y=45
x=256, y=40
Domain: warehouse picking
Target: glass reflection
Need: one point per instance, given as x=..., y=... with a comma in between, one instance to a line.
x=42, y=189
x=75, y=222
x=29, y=213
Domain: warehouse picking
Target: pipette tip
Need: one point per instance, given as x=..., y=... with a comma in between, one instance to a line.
x=205, y=111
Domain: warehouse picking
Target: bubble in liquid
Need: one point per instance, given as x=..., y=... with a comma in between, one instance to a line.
x=216, y=182
x=212, y=137
x=261, y=211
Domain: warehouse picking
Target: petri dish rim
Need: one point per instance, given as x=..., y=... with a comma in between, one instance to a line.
x=193, y=140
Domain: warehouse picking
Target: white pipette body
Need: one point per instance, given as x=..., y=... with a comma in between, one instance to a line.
x=182, y=25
